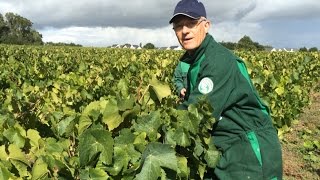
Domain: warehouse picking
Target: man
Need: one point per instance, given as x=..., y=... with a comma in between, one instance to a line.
x=244, y=132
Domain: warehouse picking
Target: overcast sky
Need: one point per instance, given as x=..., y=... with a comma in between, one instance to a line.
x=278, y=23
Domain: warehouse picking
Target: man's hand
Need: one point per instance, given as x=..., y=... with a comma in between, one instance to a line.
x=183, y=92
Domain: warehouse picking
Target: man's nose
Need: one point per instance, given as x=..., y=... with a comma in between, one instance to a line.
x=185, y=29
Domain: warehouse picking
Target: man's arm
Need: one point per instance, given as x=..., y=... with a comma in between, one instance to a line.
x=178, y=79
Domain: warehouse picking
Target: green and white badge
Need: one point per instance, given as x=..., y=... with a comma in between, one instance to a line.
x=205, y=85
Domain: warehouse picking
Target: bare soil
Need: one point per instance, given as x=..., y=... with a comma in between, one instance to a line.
x=295, y=167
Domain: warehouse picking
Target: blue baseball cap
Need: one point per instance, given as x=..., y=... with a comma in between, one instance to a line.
x=191, y=8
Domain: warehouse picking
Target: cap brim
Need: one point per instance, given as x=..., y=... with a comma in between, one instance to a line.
x=183, y=14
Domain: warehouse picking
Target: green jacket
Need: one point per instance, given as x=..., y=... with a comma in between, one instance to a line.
x=180, y=76
x=242, y=117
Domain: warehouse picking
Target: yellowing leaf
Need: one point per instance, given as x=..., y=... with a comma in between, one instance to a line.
x=111, y=115
x=40, y=169
x=183, y=169
x=3, y=153
x=266, y=72
x=54, y=97
x=34, y=137
x=16, y=154
x=165, y=63
x=161, y=90
x=280, y=90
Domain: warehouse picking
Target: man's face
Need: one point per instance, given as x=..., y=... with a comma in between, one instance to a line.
x=190, y=32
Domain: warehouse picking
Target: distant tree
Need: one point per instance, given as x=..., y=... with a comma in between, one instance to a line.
x=149, y=46
x=246, y=43
x=4, y=29
x=303, y=49
x=15, y=29
x=267, y=47
x=259, y=46
x=61, y=44
x=229, y=45
x=313, y=49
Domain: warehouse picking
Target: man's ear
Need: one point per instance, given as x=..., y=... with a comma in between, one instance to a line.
x=207, y=26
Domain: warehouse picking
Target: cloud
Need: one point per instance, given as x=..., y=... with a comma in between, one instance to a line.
x=145, y=21
x=234, y=31
x=93, y=13
x=151, y=13
x=99, y=36
x=164, y=36
x=284, y=10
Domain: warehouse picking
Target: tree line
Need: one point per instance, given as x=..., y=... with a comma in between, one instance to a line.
x=245, y=43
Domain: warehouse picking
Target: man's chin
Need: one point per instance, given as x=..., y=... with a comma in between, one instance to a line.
x=189, y=48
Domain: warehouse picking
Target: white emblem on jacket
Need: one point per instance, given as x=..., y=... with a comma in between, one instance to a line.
x=205, y=85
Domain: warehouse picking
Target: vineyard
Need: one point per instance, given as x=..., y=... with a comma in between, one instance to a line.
x=99, y=113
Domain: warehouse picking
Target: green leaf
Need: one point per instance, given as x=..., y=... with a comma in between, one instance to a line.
x=125, y=137
x=111, y=115
x=198, y=149
x=3, y=154
x=201, y=170
x=317, y=144
x=21, y=167
x=53, y=162
x=140, y=141
x=121, y=159
x=212, y=156
x=92, y=110
x=5, y=173
x=90, y=114
x=57, y=115
x=40, y=169
x=95, y=142
x=155, y=156
x=51, y=146
x=308, y=144
x=34, y=137
x=93, y=174
x=313, y=157
x=150, y=124
x=84, y=123
x=124, y=152
x=126, y=103
x=123, y=87
x=182, y=137
x=14, y=136
x=161, y=90
x=66, y=126
x=15, y=153
x=170, y=137
x=97, y=174
x=183, y=170
x=131, y=112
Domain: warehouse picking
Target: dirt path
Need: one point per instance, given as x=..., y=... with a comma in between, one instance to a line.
x=295, y=165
